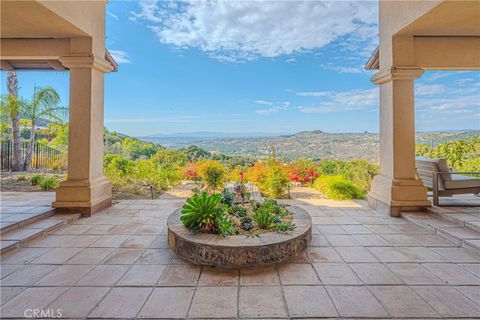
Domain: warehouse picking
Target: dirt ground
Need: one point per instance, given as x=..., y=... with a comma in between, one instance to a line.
x=20, y=182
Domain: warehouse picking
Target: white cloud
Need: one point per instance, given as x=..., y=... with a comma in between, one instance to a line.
x=464, y=81
x=274, y=109
x=114, y=16
x=264, y=102
x=314, y=93
x=429, y=89
x=120, y=56
x=354, y=100
x=245, y=30
x=342, y=69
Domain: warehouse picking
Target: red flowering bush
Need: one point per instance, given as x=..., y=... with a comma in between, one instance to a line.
x=190, y=172
x=304, y=171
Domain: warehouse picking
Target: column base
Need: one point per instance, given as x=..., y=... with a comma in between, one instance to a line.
x=84, y=196
x=393, y=196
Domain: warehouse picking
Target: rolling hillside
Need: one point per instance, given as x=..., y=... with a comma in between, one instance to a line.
x=311, y=144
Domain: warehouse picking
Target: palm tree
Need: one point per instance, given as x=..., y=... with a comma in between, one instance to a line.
x=12, y=108
x=43, y=105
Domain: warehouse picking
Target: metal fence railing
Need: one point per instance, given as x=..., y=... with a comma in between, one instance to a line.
x=43, y=156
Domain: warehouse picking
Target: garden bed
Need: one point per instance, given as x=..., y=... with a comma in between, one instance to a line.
x=240, y=251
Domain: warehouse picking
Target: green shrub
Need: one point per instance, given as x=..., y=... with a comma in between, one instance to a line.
x=36, y=179
x=238, y=211
x=22, y=177
x=212, y=174
x=200, y=212
x=49, y=183
x=224, y=225
x=263, y=216
x=338, y=187
x=228, y=197
x=271, y=178
x=284, y=226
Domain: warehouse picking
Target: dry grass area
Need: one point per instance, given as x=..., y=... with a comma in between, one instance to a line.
x=21, y=182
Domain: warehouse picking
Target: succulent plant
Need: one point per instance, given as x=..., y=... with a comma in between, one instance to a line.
x=228, y=197
x=238, y=211
x=200, y=212
x=246, y=224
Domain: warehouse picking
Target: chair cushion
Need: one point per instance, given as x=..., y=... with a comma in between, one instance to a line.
x=461, y=182
x=442, y=166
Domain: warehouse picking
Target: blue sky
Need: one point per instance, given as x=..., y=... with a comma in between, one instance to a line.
x=255, y=67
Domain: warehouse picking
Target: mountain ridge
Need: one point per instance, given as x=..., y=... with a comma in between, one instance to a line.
x=314, y=144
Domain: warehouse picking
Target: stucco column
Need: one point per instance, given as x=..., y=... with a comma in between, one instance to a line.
x=86, y=190
x=396, y=188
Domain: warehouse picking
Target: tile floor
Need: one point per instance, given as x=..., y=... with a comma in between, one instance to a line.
x=117, y=264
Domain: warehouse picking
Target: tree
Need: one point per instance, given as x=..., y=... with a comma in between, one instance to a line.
x=14, y=115
x=455, y=152
x=43, y=105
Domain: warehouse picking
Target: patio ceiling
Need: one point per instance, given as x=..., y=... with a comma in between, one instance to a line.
x=35, y=34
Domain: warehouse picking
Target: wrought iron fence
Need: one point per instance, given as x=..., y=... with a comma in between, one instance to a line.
x=43, y=156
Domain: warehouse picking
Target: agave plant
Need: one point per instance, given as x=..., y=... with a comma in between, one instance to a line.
x=200, y=212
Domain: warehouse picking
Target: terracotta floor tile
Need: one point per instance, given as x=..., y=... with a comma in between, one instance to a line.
x=142, y=275
x=109, y=241
x=90, y=256
x=217, y=277
x=155, y=256
x=167, y=303
x=458, y=254
x=180, y=275
x=259, y=276
x=27, y=275
x=77, y=302
x=323, y=254
x=57, y=256
x=341, y=240
x=355, y=254
x=374, y=273
x=261, y=301
x=31, y=298
x=448, y=302
x=473, y=268
x=452, y=274
x=355, y=302
x=297, y=274
x=160, y=242
x=336, y=274
x=138, y=242
x=214, y=302
x=123, y=256
x=103, y=275
x=414, y=274
x=309, y=301
x=23, y=255
x=401, y=301
x=65, y=275
x=8, y=293
x=121, y=303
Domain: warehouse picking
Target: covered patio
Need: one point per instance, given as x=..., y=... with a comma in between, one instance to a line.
x=414, y=36
x=361, y=264
x=73, y=40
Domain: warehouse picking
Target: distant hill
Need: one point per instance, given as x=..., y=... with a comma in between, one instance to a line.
x=312, y=144
x=211, y=135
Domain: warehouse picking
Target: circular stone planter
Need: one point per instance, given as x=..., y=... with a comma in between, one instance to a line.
x=240, y=251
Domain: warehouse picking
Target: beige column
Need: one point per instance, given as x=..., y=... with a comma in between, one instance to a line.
x=86, y=190
x=396, y=188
